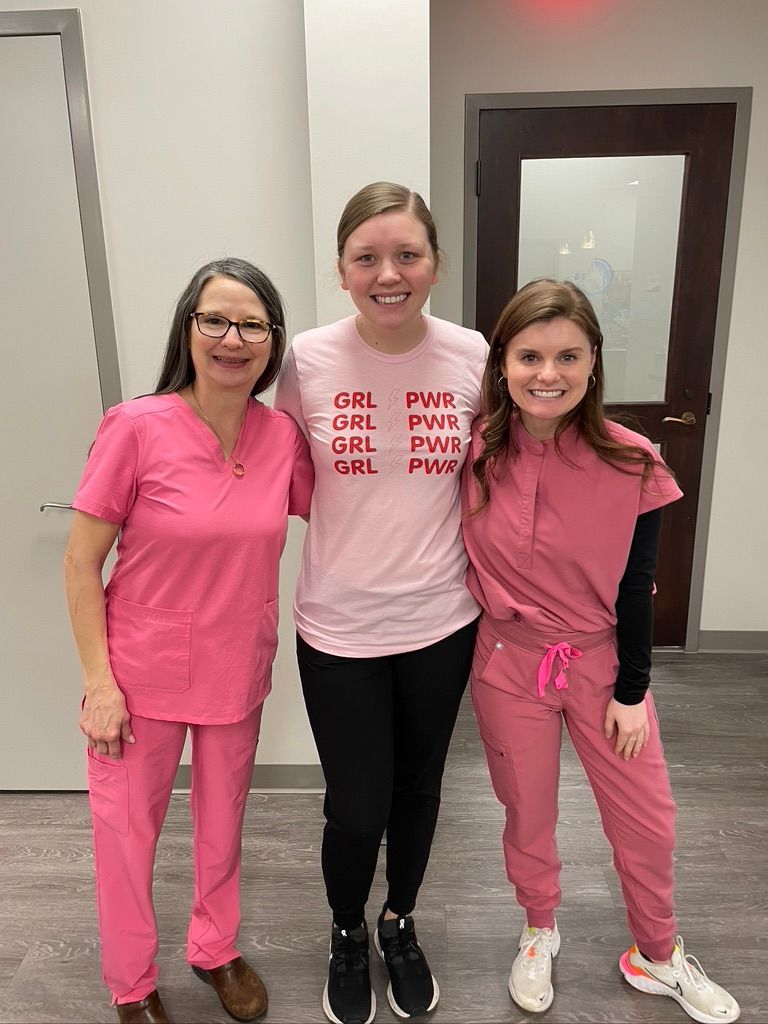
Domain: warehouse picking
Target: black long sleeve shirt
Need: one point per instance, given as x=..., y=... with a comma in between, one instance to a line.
x=634, y=611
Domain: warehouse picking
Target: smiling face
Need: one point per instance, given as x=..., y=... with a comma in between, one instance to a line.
x=547, y=366
x=388, y=268
x=227, y=363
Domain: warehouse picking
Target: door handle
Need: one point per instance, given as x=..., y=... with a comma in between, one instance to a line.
x=54, y=504
x=687, y=419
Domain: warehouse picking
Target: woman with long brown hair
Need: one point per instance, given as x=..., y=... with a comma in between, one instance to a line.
x=562, y=517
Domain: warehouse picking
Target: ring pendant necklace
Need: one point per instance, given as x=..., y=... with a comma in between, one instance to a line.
x=238, y=469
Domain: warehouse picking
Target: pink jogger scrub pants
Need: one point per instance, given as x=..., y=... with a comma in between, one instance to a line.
x=521, y=732
x=129, y=799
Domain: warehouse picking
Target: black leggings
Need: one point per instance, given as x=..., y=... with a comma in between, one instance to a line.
x=382, y=728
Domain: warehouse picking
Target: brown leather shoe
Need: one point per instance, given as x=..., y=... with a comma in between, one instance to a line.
x=145, y=1011
x=238, y=986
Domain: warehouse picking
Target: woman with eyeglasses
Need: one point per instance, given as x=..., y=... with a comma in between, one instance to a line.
x=197, y=481
x=562, y=517
x=385, y=623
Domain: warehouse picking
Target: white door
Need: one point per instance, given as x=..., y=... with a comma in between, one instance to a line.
x=50, y=407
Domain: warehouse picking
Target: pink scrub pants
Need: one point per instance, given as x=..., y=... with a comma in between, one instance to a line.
x=129, y=799
x=523, y=685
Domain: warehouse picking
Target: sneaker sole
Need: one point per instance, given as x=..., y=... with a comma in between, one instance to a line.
x=644, y=983
x=390, y=994
x=336, y=1020
x=550, y=995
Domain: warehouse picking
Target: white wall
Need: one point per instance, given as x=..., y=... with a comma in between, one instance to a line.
x=528, y=46
x=213, y=137
x=200, y=130
x=368, y=93
x=296, y=139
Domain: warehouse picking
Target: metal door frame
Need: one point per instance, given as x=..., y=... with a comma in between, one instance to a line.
x=66, y=24
x=742, y=97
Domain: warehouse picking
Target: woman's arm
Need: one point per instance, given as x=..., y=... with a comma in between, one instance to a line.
x=104, y=718
x=626, y=714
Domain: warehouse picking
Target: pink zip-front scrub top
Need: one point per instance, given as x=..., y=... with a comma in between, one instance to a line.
x=551, y=547
x=192, y=599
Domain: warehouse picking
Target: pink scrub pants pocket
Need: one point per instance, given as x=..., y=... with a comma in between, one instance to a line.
x=520, y=733
x=149, y=648
x=108, y=791
x=499, y=766
x=501, y=667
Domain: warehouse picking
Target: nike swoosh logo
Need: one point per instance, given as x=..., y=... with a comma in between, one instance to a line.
x=675, y=987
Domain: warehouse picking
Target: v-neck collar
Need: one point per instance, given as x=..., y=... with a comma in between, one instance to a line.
x=210, y=439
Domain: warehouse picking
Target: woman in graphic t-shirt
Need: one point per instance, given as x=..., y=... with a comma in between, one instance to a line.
x=385, y=623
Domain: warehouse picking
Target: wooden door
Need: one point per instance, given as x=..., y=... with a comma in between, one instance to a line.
x=675, y=418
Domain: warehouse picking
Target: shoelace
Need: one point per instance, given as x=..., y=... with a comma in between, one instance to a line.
x=541, y=944
x=691, y=968
x=402, y=945
x=348, y=954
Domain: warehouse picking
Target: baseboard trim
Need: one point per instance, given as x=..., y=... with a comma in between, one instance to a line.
x=270, y=777
x=733, y=641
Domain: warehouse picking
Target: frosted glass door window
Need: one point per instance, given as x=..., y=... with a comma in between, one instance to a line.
x=610, y=225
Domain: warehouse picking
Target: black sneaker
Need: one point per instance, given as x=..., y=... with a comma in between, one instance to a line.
x=348, y=998
x=412, y=987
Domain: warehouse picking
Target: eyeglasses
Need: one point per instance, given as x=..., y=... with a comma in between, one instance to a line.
x=212, y=325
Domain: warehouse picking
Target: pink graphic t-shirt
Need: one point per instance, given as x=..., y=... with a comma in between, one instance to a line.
x=383, y=569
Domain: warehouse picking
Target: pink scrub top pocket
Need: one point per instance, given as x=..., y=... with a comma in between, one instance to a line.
x=149, y=648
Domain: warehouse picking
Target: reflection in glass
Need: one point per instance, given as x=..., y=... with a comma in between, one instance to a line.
x=626, y=212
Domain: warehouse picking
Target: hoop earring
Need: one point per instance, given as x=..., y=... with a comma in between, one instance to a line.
x=501, y=385
x=592, y=381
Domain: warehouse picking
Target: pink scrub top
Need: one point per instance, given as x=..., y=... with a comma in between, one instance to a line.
x=192, y=599
x=551, y=547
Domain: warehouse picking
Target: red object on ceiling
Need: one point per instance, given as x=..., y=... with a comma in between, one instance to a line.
x=564, y=11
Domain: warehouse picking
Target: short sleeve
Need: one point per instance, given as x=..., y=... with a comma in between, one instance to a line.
x=288, y=392
x=302, y=479
x=660, y=488
x=109, y=482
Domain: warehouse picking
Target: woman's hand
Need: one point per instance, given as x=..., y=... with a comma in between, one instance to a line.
x=105, y=720
x=630, y=722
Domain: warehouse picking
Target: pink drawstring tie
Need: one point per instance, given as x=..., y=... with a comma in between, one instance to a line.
x=564, y=652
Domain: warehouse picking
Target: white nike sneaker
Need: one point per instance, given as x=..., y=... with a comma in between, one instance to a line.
x=684, y=980
x=530, y=980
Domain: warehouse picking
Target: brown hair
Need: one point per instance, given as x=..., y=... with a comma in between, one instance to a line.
x=380, y=197
x=539, y=302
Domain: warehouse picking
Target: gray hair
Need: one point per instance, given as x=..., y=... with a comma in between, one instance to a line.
x=177, y=370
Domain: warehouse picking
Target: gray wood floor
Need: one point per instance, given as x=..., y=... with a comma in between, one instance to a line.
x=714, y=712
